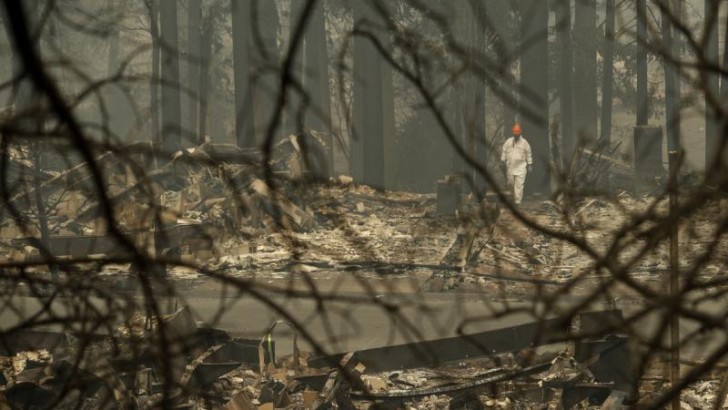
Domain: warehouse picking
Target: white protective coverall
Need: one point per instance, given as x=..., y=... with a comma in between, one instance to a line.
x=516, y=156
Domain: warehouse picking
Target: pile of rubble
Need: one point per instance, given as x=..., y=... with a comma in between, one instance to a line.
x=213, y=207
x=206, y=368
x=530, y=366
x=206, y=196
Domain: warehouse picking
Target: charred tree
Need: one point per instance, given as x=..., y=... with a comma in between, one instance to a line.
x=153, y=8
x=641, y=58
x=476, y=118
x=311, y=70
x=672, y=81
x=566, y=74
x=608, y=72
x=295, y=114
x=389, y=131
x=15, y=64
x=470, y=27
x=534, y=97
x=241, y=62
x=724, y=93
x=120, y=112
x=712, y=86
x=194, y=61
x=25, y=94
x=458, y=100
x=501, y=20
x=317, y=67
x=28, y=98
x=265, y=60
x=205, y=56
x=170, y=77
x=367, y=148
x=724, y=79
x=585, y=63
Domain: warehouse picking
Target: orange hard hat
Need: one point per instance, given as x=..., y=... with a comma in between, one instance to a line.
x=517, y=129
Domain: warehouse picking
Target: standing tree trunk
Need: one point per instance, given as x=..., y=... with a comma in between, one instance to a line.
x=205, y=56
x=455, y=109
x=194, y=61
x=317, y=65
x=28, y=98
x=241, y=63
x=311, y=69
x=153, y=6
x=121, y=116
x=724, y=79
x=477, y=118
x=25, y=94
x=15, y=63
x=264, y=56
x=608, y=72
x=712, y=119
x=642, y=100
x=295, y=113
x=566, y=74
x=389, y=132
x=672, y=81
x=170, y=76
x=585, y=63
x=501, y=20
x=368, y=134
x=534, y=102
x=724, y=99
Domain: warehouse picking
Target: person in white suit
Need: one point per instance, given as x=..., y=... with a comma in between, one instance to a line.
x=517, y=162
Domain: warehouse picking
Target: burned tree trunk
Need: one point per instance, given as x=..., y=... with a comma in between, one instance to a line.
x=585, y=63
x=712, y=118
x=153, y=7
x=368, y=146
x=28, y=98
x=470, y=91
x=295, y=114
x=24, y=91
x=120, y=113
x=194, y=61
x=317, y=64
x=534, y=99
x=455, y=109
x=264, y=57
x=672, y=80
x=566, y=73
x=241, y=62
x=499, y=14
x=642, y=101
x=205, y=56
x=389, y=131
x=170, y=76
x=476, y=119
x=608, y=72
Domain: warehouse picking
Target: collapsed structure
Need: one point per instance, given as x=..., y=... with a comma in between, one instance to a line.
x=501, y=368
x=226, y=220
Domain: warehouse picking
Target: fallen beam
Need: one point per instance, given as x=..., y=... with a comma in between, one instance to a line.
x=436, y=352
x=495, y=376
x=396, y=268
